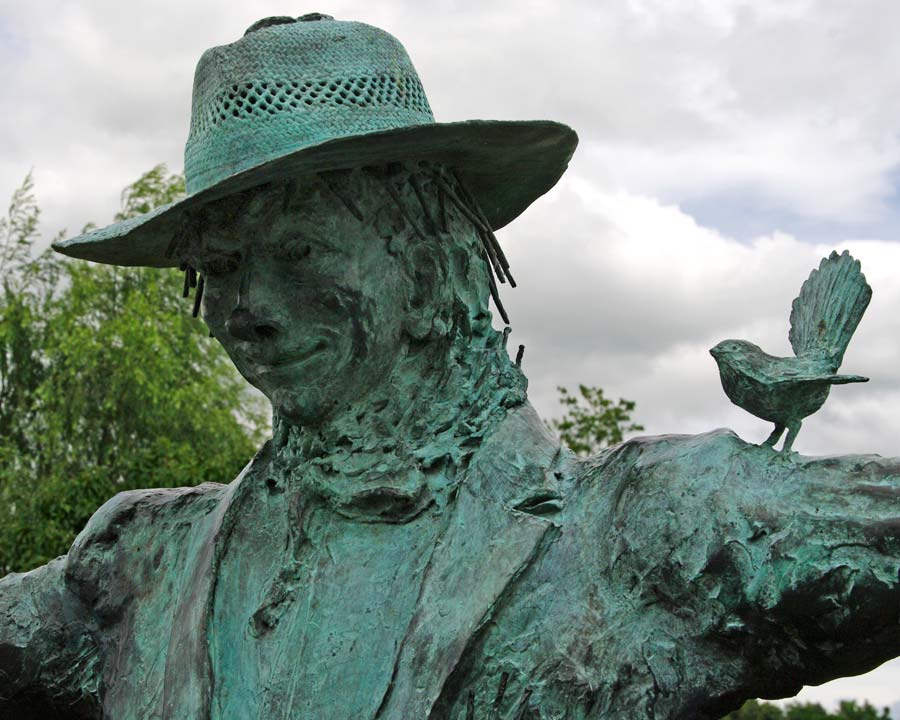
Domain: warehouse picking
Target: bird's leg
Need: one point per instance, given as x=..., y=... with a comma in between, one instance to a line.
x=793, y=429
x=773, y=438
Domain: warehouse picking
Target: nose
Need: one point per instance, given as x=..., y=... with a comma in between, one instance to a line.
x=249, y=320
x=244, y=325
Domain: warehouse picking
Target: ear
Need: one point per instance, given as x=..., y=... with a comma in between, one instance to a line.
x=389, y=224
x=428, y=280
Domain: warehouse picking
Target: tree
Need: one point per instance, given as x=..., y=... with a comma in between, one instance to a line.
x=755, y=710
x=106, y=384
x=152, y=189
x=805, y=711
x=592, y=421
x=847, y=710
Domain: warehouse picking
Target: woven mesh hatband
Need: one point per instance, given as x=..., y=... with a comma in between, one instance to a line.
x=289, y=86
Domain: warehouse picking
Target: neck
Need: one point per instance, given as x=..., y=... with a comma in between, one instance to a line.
x=404, y=441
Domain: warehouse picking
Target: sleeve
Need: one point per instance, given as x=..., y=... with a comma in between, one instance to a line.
x=48, y=657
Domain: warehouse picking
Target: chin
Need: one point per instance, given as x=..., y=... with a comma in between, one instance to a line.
x=307, y=407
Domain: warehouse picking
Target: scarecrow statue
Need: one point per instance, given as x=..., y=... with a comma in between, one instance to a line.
x=412, y=543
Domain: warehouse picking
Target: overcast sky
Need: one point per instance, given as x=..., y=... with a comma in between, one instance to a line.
x=726, y=146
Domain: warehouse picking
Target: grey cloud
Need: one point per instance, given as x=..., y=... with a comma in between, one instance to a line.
x=795, y=103
x=623, y=292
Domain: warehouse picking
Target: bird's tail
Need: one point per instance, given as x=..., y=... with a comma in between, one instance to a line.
x=829, y=307
x=846, y=379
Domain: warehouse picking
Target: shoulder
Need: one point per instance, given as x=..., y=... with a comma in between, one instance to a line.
x=127, y=537
x=612, y=525
x=160, y=506
x=647, y=455
x=54, y=619
x=616, y=479
x=47, y=656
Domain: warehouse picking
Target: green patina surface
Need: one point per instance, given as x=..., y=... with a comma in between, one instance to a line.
x=823, y=319
x=412, y=542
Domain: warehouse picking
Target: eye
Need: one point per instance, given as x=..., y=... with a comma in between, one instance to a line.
x=294, y=252
x=219, y=264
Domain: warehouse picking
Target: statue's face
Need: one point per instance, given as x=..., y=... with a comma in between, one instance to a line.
x=305, y=299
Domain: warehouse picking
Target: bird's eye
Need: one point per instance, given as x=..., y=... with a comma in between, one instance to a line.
x=295, y=252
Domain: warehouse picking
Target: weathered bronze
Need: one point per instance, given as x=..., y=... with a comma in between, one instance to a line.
x=823, y=319
x=412, y=542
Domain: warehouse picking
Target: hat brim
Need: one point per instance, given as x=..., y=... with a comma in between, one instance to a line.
x=506, y=165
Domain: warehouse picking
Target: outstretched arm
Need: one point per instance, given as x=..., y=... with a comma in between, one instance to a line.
x=47, y=655
x=766, y=571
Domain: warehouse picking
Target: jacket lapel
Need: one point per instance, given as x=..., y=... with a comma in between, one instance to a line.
x=486, y=546
x=188, y=680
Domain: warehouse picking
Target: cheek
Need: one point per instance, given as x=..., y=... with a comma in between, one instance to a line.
x=218, y=295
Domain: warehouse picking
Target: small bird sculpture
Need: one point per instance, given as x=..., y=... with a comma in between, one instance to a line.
x=823, y=319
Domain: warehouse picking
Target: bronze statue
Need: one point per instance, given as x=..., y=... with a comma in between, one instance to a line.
x=412, y=542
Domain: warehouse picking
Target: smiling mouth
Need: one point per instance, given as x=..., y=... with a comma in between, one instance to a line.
x=285, y=360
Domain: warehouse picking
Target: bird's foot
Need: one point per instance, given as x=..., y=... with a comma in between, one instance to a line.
x=793, y=429
x=774, y=437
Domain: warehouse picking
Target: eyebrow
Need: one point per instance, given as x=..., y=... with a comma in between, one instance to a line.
x=274, y=242
x=218, y=244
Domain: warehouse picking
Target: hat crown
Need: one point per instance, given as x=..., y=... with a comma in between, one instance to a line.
x=286, y=86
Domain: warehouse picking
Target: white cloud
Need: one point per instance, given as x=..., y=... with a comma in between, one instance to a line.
x=621, y=291
x=795, y=104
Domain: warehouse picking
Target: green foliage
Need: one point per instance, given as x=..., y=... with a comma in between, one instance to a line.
x=106, y=384
x=755, y=710
x=18, y=229
x=152, y=189
x=847, y=710
x=592, y=421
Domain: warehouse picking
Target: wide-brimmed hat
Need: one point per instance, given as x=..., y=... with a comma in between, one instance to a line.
x=301, y=96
